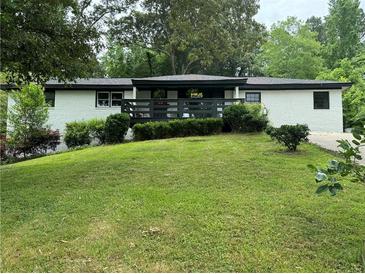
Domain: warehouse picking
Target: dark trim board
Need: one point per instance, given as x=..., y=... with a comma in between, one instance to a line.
x=296, y=86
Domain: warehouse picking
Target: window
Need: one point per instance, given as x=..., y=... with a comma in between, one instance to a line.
x=117, y=99
x=109, y=98
x=50, y=97
x=102, y=99
x=321, y=100
x=253, y=97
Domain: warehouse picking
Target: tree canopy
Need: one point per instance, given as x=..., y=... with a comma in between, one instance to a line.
x=345, y=29
x=291, y=51
x=195, y=35
x=350, y=70
x=51, y=39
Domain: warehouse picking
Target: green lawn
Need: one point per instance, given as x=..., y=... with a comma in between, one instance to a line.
x=220, y=203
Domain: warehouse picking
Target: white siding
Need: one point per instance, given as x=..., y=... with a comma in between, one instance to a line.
x=296, y=106
x=76, y=105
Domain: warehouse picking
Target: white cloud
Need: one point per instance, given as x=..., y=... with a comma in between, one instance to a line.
x=272, y=11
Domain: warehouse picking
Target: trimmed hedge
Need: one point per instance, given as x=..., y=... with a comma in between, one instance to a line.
x=177, y=128
x=77, y=134
x=245, y=118
x=116, y=127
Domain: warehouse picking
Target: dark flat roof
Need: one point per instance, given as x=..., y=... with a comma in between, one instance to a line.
x=194, y=80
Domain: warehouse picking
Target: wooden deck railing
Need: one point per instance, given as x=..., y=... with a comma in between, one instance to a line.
x=164, y=109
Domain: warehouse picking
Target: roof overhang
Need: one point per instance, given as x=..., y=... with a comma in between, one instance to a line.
x=310, y=86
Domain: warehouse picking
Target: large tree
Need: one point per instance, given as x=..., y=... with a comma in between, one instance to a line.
x=345, y=29
x=291, y=51
x=51, y=38
x=135, y=61
x=350, y=70
x=194, y=34
x=317, y=25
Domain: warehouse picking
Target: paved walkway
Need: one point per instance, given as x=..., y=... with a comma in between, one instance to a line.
x=328, y=141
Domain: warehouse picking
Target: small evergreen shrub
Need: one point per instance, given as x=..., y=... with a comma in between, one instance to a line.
x=177, y=128
x=97, y=130
x=77, y=134
x=245, y=118
x=289, y=135
x=116, y=127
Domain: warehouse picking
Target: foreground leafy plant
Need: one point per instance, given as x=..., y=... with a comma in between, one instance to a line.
x=329, y=177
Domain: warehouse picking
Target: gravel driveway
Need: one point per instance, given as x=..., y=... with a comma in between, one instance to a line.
x=328, y=141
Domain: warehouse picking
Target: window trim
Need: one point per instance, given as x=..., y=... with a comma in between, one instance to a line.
x=53, y=99
x=259, y=93
x=328, y=101
x=97, y=98
x=111, y=98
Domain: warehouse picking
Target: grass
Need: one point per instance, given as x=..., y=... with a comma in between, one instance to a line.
x=220, y=203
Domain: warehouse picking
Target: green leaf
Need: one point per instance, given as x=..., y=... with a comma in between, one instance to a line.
x=321, y=189
x=356, y=135
x=320, y=176
x=356, y=142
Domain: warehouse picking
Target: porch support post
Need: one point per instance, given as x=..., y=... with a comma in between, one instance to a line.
x=134, y=94
x=236, y=93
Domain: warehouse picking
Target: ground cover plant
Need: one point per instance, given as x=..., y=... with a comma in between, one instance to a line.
x=199, y=204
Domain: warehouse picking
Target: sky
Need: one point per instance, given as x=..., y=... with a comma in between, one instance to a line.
x=272, y=11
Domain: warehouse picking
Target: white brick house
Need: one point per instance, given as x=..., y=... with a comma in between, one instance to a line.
x=287, y=101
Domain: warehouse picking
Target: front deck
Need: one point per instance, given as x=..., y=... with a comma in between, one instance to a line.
x=144, y=110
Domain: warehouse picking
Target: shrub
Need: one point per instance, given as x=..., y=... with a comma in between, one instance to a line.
x=39, y=141
x=27, y=118
x=289, y=135
x=144, y=131
x=3, y=144
x=97, y=129
x=177, y=128
x=116, y=127
x=77, y=134
x=245, y=118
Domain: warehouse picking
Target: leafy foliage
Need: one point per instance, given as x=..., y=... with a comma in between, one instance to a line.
x=39, y=141
x=134, y=61
x=291, y=51
x=27, y=117
x=289, y=135
x=97, y=130
x=316, y=24
x=245, y=118
x=330, y=177
x=345, y=28
x=194, y=35
x=116, y=127
x=177, y=128
x=46, y=39
x=77, y=134
x=3, y=111
x=350, y=70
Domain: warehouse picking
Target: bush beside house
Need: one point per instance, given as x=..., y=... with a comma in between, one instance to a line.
x=177, y=128
x=116, y=127
x=111, y=130
x=28, y=133
x=243, y=118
